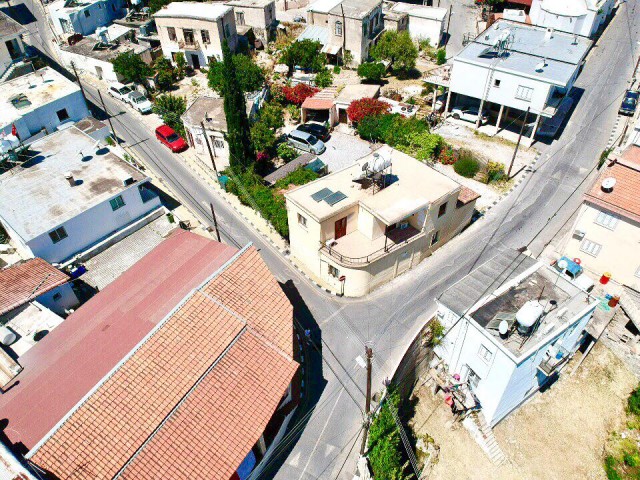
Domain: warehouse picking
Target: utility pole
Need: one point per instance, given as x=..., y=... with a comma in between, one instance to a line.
x=213, y=162
x=104, y=108
x=367, y=410
x=515, y=150
x=79, y=82
x=215, y=222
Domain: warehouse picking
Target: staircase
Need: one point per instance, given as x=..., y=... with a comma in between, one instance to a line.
x=16, y=69
x=487, y=439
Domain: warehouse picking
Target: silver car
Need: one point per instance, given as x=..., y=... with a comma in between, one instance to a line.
x=469, y=114
x=139, y=102
x=306, y=142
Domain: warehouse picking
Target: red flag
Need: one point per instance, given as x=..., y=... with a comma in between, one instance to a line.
x=14, y=130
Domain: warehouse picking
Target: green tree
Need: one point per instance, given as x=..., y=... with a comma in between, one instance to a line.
x=181, y=64
x=249, y=75
x=235, y=111
x=372, y=71
x=324, y=78
x=131, y=67
x=272, y=115
x=306, y=54
x=397, y=48
x=165, y=73
x=441, y=56
x=263, y=138
x=171, y=108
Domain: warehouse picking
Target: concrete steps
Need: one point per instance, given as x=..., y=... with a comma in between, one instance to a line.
x=489, y=443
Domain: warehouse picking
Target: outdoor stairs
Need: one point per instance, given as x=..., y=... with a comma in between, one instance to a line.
x=16, y=69
x=489, y=443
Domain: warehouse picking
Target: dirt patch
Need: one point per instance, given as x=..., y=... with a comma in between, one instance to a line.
x=559, y=434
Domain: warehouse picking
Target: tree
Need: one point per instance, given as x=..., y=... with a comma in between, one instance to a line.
x=235, y=111
x=271, y=115
x=372, y=71
x=398, y=48
x=324, y=78
x=298, y=94
x=181, y=64
x=131, y=67
x=441, y=56
x=263, y=138
x=171, y=108
x=306, y=54
x=250, y=76
x=165, y=73
x=366, y=107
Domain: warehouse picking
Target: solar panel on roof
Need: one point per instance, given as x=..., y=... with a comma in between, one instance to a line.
x=335, y=198
x=321, y=194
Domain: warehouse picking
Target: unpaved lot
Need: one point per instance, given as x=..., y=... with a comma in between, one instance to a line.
x=559, y=434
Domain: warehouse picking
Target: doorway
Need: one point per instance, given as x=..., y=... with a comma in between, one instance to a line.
x=14, y=49
x=195, y=61
x=340, y=228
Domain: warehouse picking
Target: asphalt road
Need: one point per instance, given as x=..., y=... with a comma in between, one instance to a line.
x=324, y=442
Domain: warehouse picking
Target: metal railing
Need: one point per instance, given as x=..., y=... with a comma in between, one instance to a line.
x=189, y=44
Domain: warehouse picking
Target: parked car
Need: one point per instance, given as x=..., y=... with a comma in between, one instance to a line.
x=119, y=91
x=171, y=139
x=139, y=102
x=306, y=142
x=469, y=114
x=574, y=272
x=629, y=103
x=316, y=129
x=441, y=101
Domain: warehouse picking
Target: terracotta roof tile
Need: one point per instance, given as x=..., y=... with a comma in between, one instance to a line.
x=25, y=281
x=467, y=195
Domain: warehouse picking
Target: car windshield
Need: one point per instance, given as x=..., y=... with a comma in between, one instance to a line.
x=633, y=95
x=125, y=90
x=173, y=137
x=312, y=140
x=629, y=102
x=140, y=99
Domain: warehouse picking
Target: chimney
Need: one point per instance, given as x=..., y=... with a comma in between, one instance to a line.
x=549, y=34
x=70, y=179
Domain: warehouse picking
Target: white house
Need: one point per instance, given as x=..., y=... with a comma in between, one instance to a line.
x=42, y=100
x=422, y=22
x=70, y=17
x=11, y=45
x=196, y=30
x=72, y=194
x=511, y=324
x=260, y=15
x=512, y=67
x=581, y=17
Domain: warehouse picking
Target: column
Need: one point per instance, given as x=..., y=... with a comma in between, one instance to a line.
x=435, y=94
x=446, y=108
x=479, y=119
x=533, y=132
x=499, y=118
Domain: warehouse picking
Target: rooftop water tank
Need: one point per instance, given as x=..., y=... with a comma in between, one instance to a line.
x=528, y=315
x=7, y=337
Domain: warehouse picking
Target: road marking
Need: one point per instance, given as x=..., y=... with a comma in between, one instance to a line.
x=323, y=322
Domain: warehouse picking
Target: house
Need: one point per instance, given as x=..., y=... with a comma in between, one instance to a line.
x=512, y=68
x=196, y=30
x=12, y=48
x=345, y=25
x=511, y=324
x=362, y=226
x=94, y=56
x=422, y=22
x=330, y=106
x=351, y=93
x=71, y=195
x=69, y=17
x=606, y=233
x=580, y=17
x=191, y=374
x=260, y=15
x=39, y=101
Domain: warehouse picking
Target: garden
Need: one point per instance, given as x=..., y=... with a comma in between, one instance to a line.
x=622, y=459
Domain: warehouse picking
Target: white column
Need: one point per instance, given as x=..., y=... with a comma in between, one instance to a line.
x=533, y=132
x=435, y=94
x=499, y=118
x=446, y=108
x=479, y=119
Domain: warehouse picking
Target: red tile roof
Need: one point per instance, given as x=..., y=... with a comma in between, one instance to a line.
x=624, y=200
x=467, y=195
x=314, y=103
x=75, y=356
x=194, y=397
x=25, y=281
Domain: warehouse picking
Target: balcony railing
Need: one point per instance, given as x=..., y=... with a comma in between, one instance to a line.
x=189, y=44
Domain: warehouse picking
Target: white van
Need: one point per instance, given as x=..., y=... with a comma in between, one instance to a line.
x=306, y=142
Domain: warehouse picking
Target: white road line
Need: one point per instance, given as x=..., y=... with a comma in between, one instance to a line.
x=323, y=322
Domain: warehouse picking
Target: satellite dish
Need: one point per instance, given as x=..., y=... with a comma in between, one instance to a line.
x=503, y=328
x=365, y=166
x=563, y=264
x=608, y=184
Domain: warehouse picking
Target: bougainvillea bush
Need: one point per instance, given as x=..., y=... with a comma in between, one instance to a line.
x=366, y=107
x=298, y=94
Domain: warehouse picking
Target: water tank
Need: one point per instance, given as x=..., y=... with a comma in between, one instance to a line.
x=528, y=315
x=7, y=337
x=379, y=163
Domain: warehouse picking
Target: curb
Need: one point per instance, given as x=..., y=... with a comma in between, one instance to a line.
x=527, y=171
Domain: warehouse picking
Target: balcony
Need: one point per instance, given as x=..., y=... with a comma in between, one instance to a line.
x=356, y=250
x=189, y=44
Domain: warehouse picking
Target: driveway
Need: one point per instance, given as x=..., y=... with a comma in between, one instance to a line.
x=344, y=150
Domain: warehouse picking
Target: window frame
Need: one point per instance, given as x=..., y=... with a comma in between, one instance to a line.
x=593, y=248
x=497, y=82
x=87, y=14
x=58, y=234
x=171, y=32
x=302, y=220
x=338, y=28
x=206, y=37
x=333, y=271
x=119, y=203
x=608, y=220
x=522, y=91
x=485, y=354
x=66, y=113
x=442, y=210
x=435, y=238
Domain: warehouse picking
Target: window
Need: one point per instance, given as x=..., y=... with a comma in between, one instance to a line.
x=334, y=272
x=58, y=234
x=472, y=378
x=66, y=25
x=172, y=34
x=240, y=18
x=435, y=237
x=496, y=83
x=187, y=33
x=485, y=354
x=205, y=36
x=302, y=221
x=87, y=13
x=442, y=210
x=62, y=115
x=57, y=296
x=592, y=248
x=218, y=143
x=524, y=93
x=338, y=29
x=364, y=29
x=116, y=203
x=607, y=220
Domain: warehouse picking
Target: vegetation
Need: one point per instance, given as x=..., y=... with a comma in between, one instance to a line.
x=306, y=54
x=240, y=151
x=466, y=165
x=603, y=156
x=181, y=64
x=633, y=402
x=263, y=138
x=298, y=94
x=250, y=76
x=272, y=115
x=300, y=176
x=441, y=56
x=448, y=155
x=336, y=69
x=294, y=113
x=155, y=5
x=324, y=78
x=398, y=48
x=435, y=332
x=171, y=108
x=286, y=152
x=132, y=68
x=372, y=71
x=366, y=107
x=165, y=74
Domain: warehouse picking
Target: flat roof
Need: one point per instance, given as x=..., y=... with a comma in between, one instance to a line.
x=355, y=8
x=36, y=197
x=210, y=110
x=415, y=186
x=421, y=11
x=250, y=3
x=561, y=54
x=92, y=48
x=193, y=10
x=357, y=91
x=40, y=88
x=9, y=27
x=323, y=6
x=74, y=5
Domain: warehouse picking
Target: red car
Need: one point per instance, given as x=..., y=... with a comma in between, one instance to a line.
x=171, y=139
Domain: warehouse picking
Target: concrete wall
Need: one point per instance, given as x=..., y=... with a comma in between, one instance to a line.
x=98, y=68
x=585, y=25
x=92, y=225
x=619, y=252
x=100, y=13
x=426, y=28
x=261, y=19
x=59, y=299
x=217, y=143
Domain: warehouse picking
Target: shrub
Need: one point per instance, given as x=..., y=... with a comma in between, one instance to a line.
x=467, y=165
x=294, y=113
x=447, y=155
x=436, y=332
x=272, y=115
x=324, y=78
x=286, y=152
x=250, y=76
x=366, y=107
x=298, y=94
x=300, y=176
x=372, y=71
x=306, y=54
x=441, y=56
x=263, y=138
x=336, y=69
x=495, y=172
x=277, y=93
x=131, y=67
x=633, y=402
x=610, y=468
x=170, y=108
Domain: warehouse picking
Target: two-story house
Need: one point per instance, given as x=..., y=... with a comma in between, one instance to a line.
x=259, y=15
x=362, y=226
x=512, y=324
x=71, y=195
x=345, y=25
x=513, y=67
x=70, y=17
x=197, y=30
x=12, y=49
x=422, y=22
x=582, y=17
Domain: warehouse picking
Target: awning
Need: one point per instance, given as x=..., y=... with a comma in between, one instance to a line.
x=313, y=103
x=332, y=49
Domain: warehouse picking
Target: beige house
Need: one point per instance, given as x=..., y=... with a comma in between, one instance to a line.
x=606, y=233
x=197, y=30
x=260, y=15
x=362, y=226
x=345, y=25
